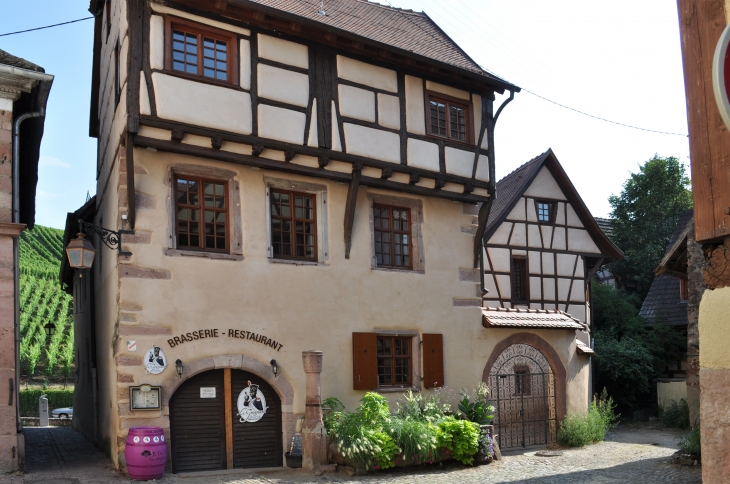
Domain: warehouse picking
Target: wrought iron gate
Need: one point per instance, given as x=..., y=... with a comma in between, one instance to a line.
x=523, y=394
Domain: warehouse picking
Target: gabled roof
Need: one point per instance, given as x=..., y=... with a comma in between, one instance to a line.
x=674, y=262
x=663, y=302
x=510, y=188
x=606, y=225
x=406, y=30
x=11, y=60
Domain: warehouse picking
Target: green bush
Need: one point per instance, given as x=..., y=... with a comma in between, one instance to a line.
x=676, y=414
x=581, y=430
x=461, y=437
x=478, y=411
x=56, y=398
x=691, y=443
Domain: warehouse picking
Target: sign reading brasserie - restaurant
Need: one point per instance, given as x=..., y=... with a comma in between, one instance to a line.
x=232, y=333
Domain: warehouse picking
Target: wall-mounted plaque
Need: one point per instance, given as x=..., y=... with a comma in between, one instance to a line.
x=144, y=397
x=207, y=392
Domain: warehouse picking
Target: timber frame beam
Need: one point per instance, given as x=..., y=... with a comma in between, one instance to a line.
x=350, y=208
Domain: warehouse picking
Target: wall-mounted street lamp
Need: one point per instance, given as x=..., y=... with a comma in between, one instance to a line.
x=275, y=367
x=81, y=252
x=49, y=329
x=179, y=367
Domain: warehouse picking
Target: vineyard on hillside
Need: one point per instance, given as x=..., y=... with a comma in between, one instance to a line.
x=42, y=301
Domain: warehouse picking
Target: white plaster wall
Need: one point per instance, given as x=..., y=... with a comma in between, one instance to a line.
x=548, y=286
x=459, y=162
x=560, y=215
x=482, y=168
x=363, y=141
x=563, y=288
x=282, y=124
x=518, y=212
x=144, y=95
x=534, y=264
x=547, y=235
x=336, y=135
x=566, y=262
x=368, y=74
x=519, y=236
x=573, y=220
x=357, y=103
x=559, y=238
x=545, y=186
x=283, y=85
x=157, y=42
x=535, y=288
x=415, y=110
x=283, y=51
x=533, y=236
x=313, y=139
x=548, y=263
x=580, y=241
x=531, y=214
x=476, y=102
x=451, y=91
x=388, y=111
x=580, y=268
x=577, y=293
x=505, y=287
x=202, y=104
x=500, y=259
x=423, y=154
x=244, y=65
x=501, y=235
x=578, y=311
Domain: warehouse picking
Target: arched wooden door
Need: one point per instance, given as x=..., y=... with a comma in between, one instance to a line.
x=522, y=388
x=210, y=431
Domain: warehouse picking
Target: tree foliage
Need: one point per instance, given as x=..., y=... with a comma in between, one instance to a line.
x=630, y=352
x=644, y=217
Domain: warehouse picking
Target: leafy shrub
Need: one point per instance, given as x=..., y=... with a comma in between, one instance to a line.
x=418, y=439
x=478, y=411
x=691, y=443
x=461, y=437
x=676, y=414
x=419, y=407
x=56, y=399
x=581, y=430
x=332, y=412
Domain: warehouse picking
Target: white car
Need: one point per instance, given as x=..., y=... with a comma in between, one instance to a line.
x=66, y=412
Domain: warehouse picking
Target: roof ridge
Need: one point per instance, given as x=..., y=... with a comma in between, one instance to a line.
x=390, y=7
x=522, y=166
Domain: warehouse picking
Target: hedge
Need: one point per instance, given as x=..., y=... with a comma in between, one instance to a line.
x=56, y=399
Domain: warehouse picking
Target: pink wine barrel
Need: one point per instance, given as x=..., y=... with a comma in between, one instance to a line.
x=146, y=453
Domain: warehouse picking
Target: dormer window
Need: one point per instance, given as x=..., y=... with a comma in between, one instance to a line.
x=545, y=212
x=448, y=118
x=200, y=51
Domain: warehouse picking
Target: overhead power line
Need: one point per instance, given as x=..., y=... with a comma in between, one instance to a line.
x=46, y=27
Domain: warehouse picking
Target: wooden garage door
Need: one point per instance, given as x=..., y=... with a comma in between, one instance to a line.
x=197, y=425
x=256, y=444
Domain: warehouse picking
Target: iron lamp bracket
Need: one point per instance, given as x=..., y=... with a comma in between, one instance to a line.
x=111, y=239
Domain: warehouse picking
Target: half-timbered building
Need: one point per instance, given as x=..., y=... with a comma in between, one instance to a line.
x=298, y=175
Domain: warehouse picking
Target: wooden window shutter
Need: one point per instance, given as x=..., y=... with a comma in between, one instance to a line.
x=433, y=360
x=364, y=361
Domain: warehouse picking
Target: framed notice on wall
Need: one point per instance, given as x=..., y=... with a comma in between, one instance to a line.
x=144, y=397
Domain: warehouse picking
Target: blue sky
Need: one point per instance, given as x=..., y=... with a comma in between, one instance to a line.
x=619, y=60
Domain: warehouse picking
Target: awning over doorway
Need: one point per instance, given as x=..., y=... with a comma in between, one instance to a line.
x=529, y=318
x=583, y=349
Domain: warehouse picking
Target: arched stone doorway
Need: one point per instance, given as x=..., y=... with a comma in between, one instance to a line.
x=222, y=419
x=527, y=385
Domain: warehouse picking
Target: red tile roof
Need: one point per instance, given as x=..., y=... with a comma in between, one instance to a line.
x=404, y=29
x=529, y=318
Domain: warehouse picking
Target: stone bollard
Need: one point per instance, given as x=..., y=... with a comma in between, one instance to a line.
x=314, y=435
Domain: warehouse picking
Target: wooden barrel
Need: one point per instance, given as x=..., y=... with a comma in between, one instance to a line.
x=146, y=453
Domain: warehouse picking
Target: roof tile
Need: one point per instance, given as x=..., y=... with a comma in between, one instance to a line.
x=529, y=318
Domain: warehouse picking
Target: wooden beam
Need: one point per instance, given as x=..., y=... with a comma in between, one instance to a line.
x=228, y=399
x=135, y=32
x=131, y=197
x=482, y=218
x=350, y=209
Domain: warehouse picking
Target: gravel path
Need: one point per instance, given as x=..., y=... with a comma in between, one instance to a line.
x=631, y=454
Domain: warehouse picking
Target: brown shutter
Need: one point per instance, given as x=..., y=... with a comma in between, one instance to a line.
x=433, y=360
x=364, y=361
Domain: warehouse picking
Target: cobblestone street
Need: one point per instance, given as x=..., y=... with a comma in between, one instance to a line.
x=632, y=454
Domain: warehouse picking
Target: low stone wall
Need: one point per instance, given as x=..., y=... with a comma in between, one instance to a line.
x=52, y=422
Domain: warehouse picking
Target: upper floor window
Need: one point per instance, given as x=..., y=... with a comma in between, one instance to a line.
x=201, y=214
x=519, y=282
x=392, y=236
x=545, y=212
x=293, y=225
x=199, y=51
x=449, y=118
x=394, y=361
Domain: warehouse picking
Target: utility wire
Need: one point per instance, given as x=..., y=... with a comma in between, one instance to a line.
x=46, y=27
x=537, y=95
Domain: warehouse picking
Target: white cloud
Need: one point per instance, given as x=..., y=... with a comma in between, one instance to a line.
x=48, y=161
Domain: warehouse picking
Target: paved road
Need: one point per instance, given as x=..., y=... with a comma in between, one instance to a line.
x=632, y=454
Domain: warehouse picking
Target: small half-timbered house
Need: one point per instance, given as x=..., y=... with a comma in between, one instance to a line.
x=542, y=248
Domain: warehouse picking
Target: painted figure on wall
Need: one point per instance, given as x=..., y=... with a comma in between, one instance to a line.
x=251, y=403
